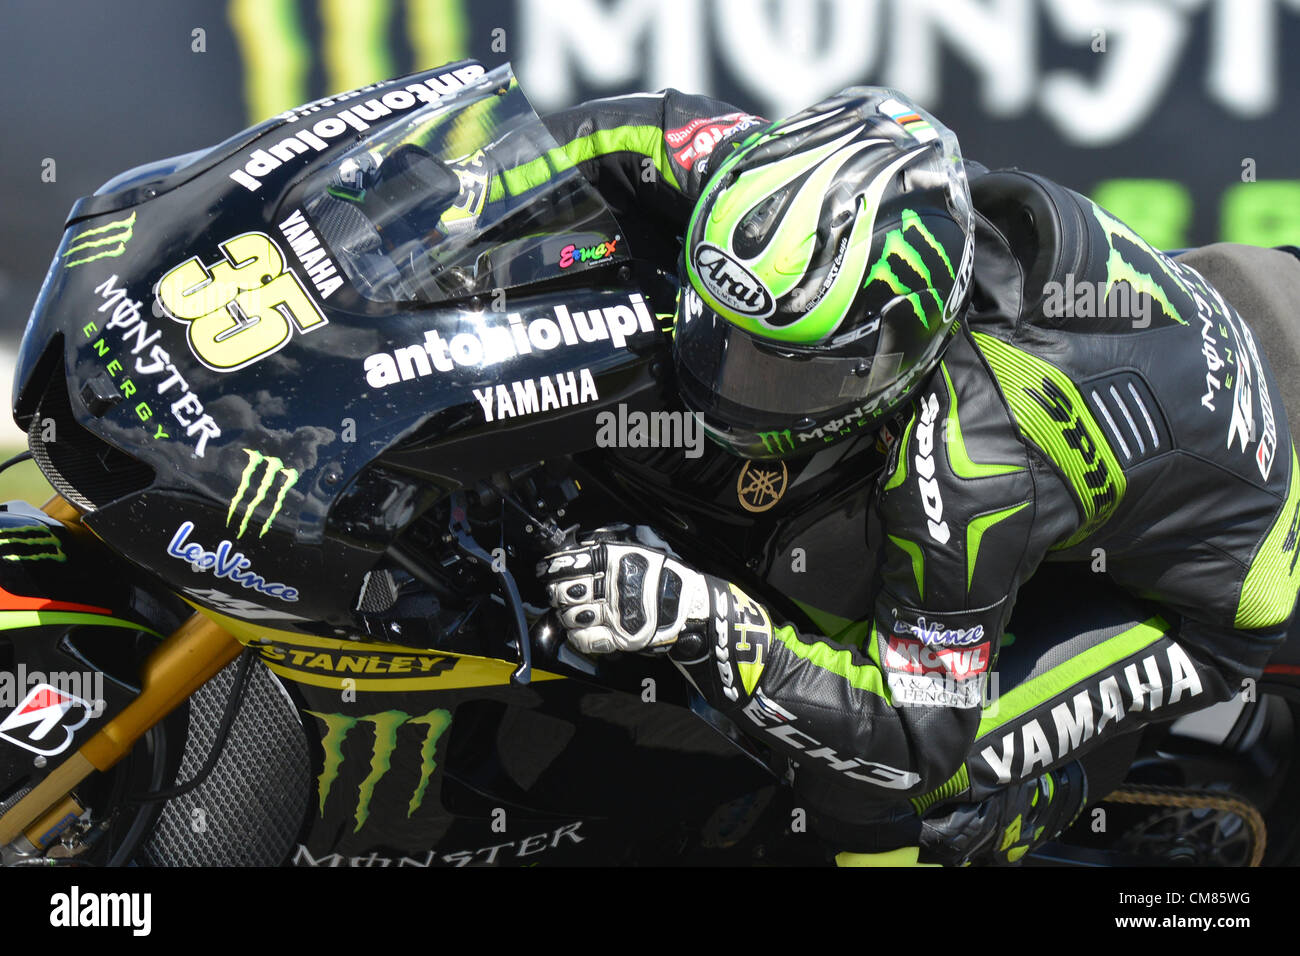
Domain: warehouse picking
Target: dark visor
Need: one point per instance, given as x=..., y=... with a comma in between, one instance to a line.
x=748, y=373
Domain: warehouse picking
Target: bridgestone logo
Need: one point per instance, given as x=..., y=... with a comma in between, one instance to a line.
x=274, y=469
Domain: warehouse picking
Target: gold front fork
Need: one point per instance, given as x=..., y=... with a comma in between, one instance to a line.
x=176, y=668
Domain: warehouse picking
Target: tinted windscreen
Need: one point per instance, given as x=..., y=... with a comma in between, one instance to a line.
x=466, y=196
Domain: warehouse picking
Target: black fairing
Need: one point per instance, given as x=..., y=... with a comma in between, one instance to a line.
x=71, y=617
x=176, y=461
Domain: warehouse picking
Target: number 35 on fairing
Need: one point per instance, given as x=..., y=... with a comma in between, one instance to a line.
x=240, y=309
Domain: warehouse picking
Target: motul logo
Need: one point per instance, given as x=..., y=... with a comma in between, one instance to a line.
x=46, y=720
x=913, y=657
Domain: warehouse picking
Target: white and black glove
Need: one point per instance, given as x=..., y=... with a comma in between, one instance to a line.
x=623, y=596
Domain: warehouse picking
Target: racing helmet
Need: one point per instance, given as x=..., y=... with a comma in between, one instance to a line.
x=825, y=266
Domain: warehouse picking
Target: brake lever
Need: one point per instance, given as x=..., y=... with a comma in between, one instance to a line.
x=458, y=526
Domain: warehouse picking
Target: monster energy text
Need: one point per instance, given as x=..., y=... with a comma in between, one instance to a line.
x=386, y=725
x=274, y=468
x=133, y=332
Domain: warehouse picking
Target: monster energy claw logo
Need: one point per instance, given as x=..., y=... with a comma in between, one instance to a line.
x=897, y=245
x=101, y=242
x=274, y=467
x=36, y=541
x=777, y=443
x=386, y=725
x=1124, y=264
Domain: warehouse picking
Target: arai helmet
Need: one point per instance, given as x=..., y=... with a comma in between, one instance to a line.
x=825, y=265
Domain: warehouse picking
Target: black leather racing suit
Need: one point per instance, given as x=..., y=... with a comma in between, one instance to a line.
x=1154, y=447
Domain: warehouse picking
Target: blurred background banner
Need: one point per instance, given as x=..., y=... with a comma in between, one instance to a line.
x=1179, y=115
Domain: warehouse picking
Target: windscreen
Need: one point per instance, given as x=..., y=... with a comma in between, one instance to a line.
x=463, y=197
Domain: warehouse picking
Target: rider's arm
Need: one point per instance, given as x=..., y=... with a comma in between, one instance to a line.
x=965, y=514
x=647, y=154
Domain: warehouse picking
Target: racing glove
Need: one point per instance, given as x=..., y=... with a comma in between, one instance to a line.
x=615, y=595
x=1006, y=826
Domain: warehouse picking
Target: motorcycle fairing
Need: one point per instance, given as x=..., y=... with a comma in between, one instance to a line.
x=74, y=630
x=222, y=368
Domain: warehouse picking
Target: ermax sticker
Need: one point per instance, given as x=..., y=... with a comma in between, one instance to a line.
x=492, y=344
x=913, y=657
x=151, y=361
x=349, y=121
x=730, y=283
x=46, y=720
x=933, y=632
x=574, y=253
x=694, y=142
x=225, y=563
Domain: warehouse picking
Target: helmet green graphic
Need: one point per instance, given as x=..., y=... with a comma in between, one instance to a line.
x=825, y=265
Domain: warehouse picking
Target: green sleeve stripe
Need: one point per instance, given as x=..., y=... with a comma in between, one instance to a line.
x=1098, y=482
x=900, y=471
x=956, y=785
x=648, y=141
x=1044, y=687
x=839, y=662
x=961, y=463
x=827, y=623
x=9, y=620
x=1268, y=593
x=975, y=533
x=913, y=551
